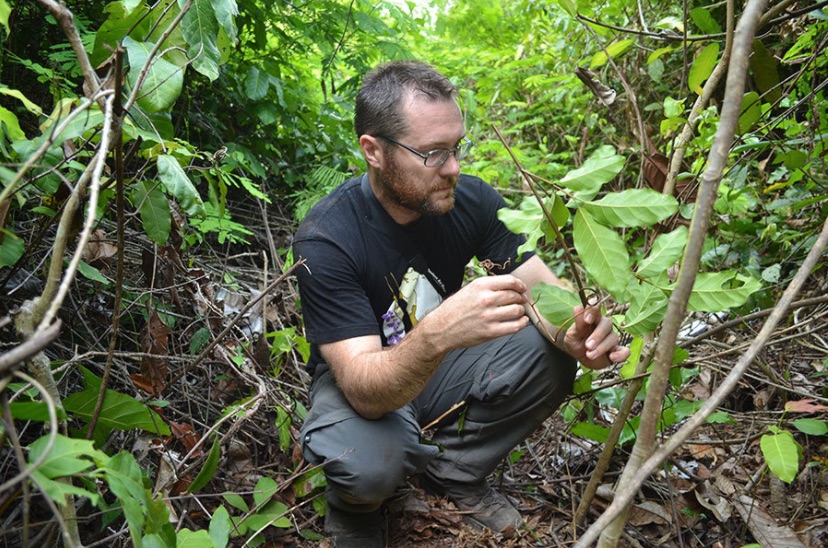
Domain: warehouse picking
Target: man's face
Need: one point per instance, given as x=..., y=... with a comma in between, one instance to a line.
x=407, y=186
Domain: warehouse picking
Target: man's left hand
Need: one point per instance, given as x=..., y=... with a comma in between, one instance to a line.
x=592, y=341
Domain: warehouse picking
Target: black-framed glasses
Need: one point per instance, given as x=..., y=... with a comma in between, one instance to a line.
x=438, y=156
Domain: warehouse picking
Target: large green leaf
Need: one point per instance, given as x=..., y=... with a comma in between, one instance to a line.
x=68, y=456
x=555, y=304
x=119, y=411
x=601, y=167
x=256, y=84
x=603, y=254
x=11, y=126
x=225, y=12
x=616, y=49
x=714, y=292
x=633, y=207
x=220, y=527
x=200, y=29
x=120, y=21
x=648, y=305
x=206, y=473
x=702, y=67
x=751, y=111
x=530, y=220
x=126, y=481
x=154, y=209
x=164, y=80
x=781, y=453
x=667, y=249
x=11, y=249
x=179, y=185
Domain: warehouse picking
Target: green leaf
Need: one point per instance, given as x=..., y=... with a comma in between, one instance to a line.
x=603, y=254
x=555, y=304
x=667, y=249
x=236, y=501
x=5, y=11
x=632, y=208
x=225, y=12
x=628, y=368
x=782, y=454
x=702, y=67
x=92, y=273
x=265, y=488
x=164, y=80
x=17, y=94
x=179, y=185
x=11, y=249
x=616, y=49
x=530, y=220
x=710, y=294
x=751, y=111
x=195, y=539
x=220, y=527
x=154, y=209
x=764, y=67
x=11, y=124
x=67, y=456
x=673, y=108
x=58, y=490
x=702, y=18
x=200, y=30
x=648, y=306
x=570, y=6
x=33, y=411
x=720, y=417
x=125, y=480
x=256, y=84
x=601, y=167
x=812, y=427
x=594, y=432
x=119, y=411
x=208, y=469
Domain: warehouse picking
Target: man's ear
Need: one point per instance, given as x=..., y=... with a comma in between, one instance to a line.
x=372, y=150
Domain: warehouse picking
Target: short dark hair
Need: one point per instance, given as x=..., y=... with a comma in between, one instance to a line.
x=379, y=101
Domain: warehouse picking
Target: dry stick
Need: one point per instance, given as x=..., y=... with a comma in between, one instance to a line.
x=701, y=102
x=207, y=349
x=624, y=496
x=717, y=160
x=119, y=268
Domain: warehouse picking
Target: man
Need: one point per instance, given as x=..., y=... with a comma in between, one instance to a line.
x=398, y=339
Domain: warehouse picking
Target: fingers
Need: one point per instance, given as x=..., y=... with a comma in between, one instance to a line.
x=595, y=333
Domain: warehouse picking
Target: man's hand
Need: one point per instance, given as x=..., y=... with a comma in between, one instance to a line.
x=592, y=341
x=484, y=309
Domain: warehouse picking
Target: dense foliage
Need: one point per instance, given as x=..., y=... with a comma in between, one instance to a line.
x=148, y=150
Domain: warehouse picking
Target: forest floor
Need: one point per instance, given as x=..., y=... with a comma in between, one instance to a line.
x=715, y=491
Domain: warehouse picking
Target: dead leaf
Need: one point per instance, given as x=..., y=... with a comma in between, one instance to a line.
x=762, y=525
x=805, y=406
x=648, y=512
x=154, y=338
x=655, y=168
x=186, y=435
x=711, y=500
x=98, y=252
x=604, y=94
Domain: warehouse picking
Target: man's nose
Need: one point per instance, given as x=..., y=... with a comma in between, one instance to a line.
x=451, y=167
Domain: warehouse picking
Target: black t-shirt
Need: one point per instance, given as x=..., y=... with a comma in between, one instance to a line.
x=365, y=275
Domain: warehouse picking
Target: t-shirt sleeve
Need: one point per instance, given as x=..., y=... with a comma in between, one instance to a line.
x=334, y=303
x=499, y=245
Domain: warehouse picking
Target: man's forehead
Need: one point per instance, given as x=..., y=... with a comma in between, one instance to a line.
x=427, y=115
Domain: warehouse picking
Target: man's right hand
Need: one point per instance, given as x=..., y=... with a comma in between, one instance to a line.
x=484, y=309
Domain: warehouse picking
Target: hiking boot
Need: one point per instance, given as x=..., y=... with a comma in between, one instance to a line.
x=481, y=505
x=355, y=530
x=491, y=510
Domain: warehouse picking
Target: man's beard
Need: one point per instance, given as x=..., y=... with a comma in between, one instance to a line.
x=402, y=188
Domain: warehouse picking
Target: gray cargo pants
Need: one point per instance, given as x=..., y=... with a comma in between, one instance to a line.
x=510, y=386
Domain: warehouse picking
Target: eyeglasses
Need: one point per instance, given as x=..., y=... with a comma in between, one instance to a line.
x=438, y=156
